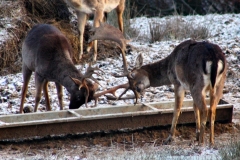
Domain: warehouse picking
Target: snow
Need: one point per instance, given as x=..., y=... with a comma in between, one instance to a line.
x=224, y=29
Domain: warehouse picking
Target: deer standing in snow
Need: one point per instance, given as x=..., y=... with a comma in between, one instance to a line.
x=196, y=66
x=47, y=52
x=97, y=8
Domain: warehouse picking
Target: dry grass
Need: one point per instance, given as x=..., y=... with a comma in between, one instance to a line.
x=231, y=151
x=9, y=49
x=177, y=28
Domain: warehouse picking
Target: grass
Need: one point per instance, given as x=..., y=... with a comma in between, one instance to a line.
x=177, y=28
x=231, y=151
x=172, y=28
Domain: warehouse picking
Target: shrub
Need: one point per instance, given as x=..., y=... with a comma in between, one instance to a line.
x=177, y=28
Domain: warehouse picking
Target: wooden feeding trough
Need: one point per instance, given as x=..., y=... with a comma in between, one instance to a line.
x=19, y=127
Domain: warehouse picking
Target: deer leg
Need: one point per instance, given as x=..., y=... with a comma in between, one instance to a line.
x=39, y=85
x=197, y=118
x=215, y=96
x=86, y=97
x=199, y=100
x=119, y=11
x=45, y=92
x=179, y=95
x=203, y=121
x=82, y=18
x=212, y=113
x=26, y=78
x=98, y=17
x=60, y=94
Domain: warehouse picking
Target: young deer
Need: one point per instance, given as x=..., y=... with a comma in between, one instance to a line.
x=47, y=52
x=196, y=66
x=97, y=8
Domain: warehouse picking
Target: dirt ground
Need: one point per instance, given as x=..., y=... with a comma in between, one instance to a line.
x=102, y=145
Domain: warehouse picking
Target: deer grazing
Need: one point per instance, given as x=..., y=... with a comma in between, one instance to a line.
x=97, y=8
x=196, y=66
x=47, y=52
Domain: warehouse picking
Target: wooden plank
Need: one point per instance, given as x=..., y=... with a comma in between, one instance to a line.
x=74, y=113
x=80, y=121
x=150, y=106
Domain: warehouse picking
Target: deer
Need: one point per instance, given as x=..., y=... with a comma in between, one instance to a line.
x=96, y=7
x=47, y=53
x=199, y=67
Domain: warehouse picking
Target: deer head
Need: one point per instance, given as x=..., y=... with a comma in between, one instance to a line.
x=83, y=83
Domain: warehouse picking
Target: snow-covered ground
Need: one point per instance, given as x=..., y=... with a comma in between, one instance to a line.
x=224, y=29
x=225, y=32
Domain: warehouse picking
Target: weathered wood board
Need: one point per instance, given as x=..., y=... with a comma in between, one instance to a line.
x=110, y=118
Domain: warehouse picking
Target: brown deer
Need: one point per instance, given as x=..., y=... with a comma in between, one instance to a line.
x=196, y=66
x=97, y=8
x=47, y=52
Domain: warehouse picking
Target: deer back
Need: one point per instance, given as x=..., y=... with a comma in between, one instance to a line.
x=45, y=50
x=190, y=64
x=197, y=62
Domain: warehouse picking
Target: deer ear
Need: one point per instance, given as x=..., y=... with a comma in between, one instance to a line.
x=139, y=61
x=76, y=81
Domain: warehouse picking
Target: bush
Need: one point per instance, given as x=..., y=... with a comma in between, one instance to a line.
x=177, y=28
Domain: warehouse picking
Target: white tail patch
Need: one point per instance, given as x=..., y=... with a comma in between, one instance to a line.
x=220, y=68
x=206, y=77
x=208, y=66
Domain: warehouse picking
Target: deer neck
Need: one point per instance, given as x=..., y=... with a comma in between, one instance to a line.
x=64, y=77
x=158, y=72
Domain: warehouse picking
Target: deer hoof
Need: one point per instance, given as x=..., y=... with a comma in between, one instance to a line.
x=168, y=140
x=197, y=136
